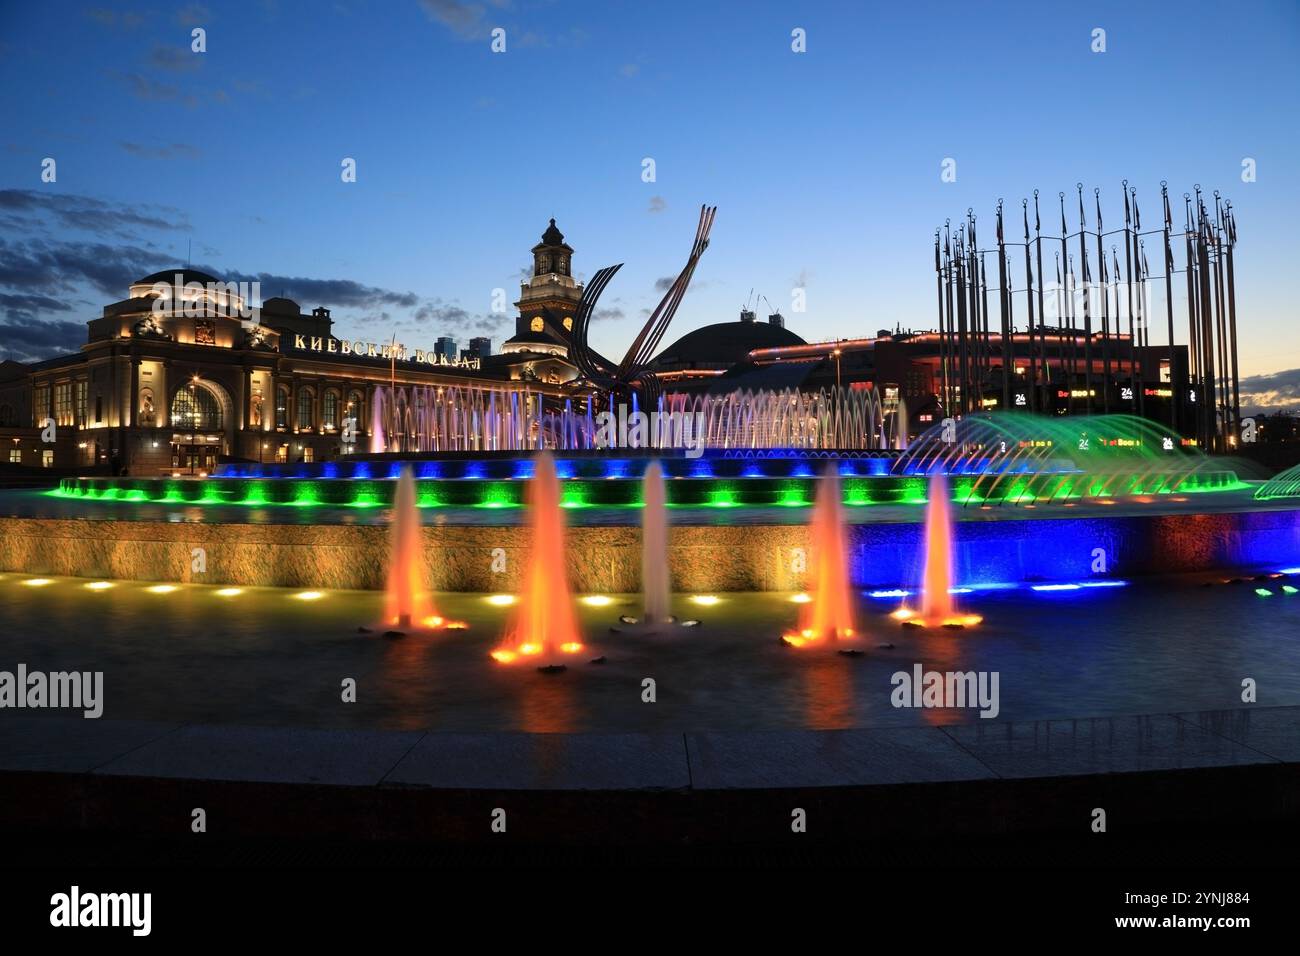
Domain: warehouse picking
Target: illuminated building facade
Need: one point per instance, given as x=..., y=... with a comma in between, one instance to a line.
x=184, y=372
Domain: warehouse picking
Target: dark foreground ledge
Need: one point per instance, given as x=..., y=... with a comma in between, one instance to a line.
x=984, y=779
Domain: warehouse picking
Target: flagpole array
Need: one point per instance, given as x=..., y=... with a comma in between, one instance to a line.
x=1086, y=343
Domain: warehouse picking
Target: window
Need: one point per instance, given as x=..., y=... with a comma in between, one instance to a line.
x=330, y=410
x=306, y=411
x=282, y=454
x=15, y=456
x=356, y=408
x=40, y=404
x=63, y=403
x=47, y=458
x=194, y=408
x=82, y=389
x=282, y=407
x=308, y=454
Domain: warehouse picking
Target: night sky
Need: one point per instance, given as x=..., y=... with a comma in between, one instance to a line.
x=825, y=165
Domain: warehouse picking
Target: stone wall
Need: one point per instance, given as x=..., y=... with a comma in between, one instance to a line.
x=608, y=559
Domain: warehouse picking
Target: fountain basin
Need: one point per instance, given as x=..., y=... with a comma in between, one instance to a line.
x=709, y=549
x=625, y=490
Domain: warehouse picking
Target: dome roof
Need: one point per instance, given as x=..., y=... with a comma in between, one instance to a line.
x=724, y=344
x=281, y=305
x=168, y=276
x=552, y=236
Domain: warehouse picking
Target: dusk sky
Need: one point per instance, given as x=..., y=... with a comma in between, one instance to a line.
x=825, y=165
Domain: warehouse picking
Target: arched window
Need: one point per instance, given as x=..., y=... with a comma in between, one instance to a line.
x=194, y=408
x=538, y=324
x=282, y=407
x=356, y=408
x=306, y=408
x=329, y=416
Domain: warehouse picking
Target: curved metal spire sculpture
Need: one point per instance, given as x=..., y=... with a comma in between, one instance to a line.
x=632, y=375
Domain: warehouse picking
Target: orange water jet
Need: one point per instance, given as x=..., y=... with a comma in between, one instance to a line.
x=408, y=601
x=543, y=624
x=938, y=609
x=829, y=615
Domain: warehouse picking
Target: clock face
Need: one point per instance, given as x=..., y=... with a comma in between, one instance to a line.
x=568, y=323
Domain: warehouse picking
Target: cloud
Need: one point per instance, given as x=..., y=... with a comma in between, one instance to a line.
x=629, y=69
x=448, y=318
x=335, y=293
x=114, y=20
x=15, y=306
x=40, y=267
x=86, y=214
x=27, y=339
x=665, y=283
x=611, y=313
x=174, y=59
x=143, y=88
x=463, y=19
x=174, y=151
x=1277, y=390
x=657, y=204
x=193, y=15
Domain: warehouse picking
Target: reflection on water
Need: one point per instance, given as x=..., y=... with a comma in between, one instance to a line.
x=261, y=657
x=828, y=691
x=547, y=704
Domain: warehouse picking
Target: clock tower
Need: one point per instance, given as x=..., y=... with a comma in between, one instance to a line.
x=549, y=298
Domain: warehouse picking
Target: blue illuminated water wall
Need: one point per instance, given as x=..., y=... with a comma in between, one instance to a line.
x=500, y=466
x=715, y=463
x=1065, y=549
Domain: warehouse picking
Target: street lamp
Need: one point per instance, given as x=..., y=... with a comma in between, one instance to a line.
x=836, y=353
x=194, y=421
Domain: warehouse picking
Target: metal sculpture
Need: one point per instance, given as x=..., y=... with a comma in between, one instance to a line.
x=632, y=377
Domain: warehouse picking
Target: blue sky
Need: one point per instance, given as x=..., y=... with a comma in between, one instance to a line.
x=825, y=165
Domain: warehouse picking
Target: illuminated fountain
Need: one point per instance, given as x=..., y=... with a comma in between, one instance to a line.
x=654, y=549
x=408, y=600
x=900, y=426
x=656, y=584
x=425, y=419
x=829, y=615
x=938, y=609
x=544, y=623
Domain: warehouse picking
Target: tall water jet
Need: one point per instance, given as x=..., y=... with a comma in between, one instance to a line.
x=654, y=547
x=938, y=609
x=408, y=600
x=829, y=615
x=936, y=579
x=377, y=428
x=544, y=623
x=900, y=426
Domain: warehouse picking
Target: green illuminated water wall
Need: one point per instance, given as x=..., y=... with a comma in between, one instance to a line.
x=615, y=493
